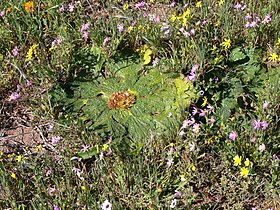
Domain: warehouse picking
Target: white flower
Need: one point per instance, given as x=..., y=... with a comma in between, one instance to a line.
x=106, y=205
x=173, y=203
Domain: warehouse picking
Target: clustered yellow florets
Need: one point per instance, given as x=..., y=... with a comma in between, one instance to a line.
x=121, y=100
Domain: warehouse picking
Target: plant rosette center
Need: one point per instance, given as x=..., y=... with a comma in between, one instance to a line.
x=121, y=100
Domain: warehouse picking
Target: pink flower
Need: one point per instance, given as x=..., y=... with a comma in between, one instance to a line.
x=85, y=26
x=212, y=120
x=248, y=16
x=85, y=35
x=237, y=6
x=71, y=7
x=120, y=27
x=61, y=8
x=267, y=19
x=28, y=82
x=55, y=139
x=2, y=13
x=48, y=173
x=265, y=104
x=15, y=51
x=253, y=24
x=13, y=96
x=196, y=128
x=264, y=125
x=155, y=62
x=192, y=146
x=194, y=112
x=85, y=148
x=253, y=139
x=233, y=135
x=262, y=147
x=256, y=124
x=202, y=113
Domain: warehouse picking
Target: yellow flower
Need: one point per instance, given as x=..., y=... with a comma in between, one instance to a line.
x=31, y=52
x=39, y=147
x=13, y=175
x=198, y=4
x=105, y=146
x=29, y=6
x=204, y=101
x=273, y=57
x=244, y=172
x=221, y=2
x=19, y=158
x=130, y=28
x=214, y=47
x=173, y=18
x=83, y=187
x=147, y=56
x=193, y=168
x=226, y=43
x=247, y=162
x=125, y=7
x=237, y=160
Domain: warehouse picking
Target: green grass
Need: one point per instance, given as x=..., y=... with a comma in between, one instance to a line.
x=206, y=86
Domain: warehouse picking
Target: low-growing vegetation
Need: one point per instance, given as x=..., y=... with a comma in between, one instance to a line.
x=139, y=105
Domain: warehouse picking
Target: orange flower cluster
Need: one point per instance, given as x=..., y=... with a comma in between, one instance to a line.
x=121, y=100
x=29, y=6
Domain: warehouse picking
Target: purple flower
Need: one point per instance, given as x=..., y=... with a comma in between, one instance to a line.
x=233, y=135
x=262, y=147
x=265, y=104
x=13, y=96
x=85, y=35
x=194, y=112
x=55, y=139
x=178, y=193
x=253, y=139
x=71, y=7
x=120, y=27
x=173, y=4
x=85, y=148
x=237, y=6
x=212, y=120
x=247, y=25
x=61, y=8
x=48, y=173
x=192, y=32
x=202, y=113
x=192, y=146
x=170, y=162
x=157, y=19
x=194, y=68
x=18, y=87
x=267, y=19
x=254, y=24
x=51, y=127
x=28, y=82
x=106, y=40
x=2, y=13
x=15, y=51
x=256, y=124
x=140, y=4
x=55, y=207
x=196, y=128
x=52, y=190
x=248, y=16
x=155, y=62
x=84, y=26
x=182, y=133
x=264, y=125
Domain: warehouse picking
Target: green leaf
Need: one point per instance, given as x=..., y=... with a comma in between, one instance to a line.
x=237, y=55
x=89, y=153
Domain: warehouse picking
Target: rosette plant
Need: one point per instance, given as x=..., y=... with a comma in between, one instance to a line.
x=122, y=97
